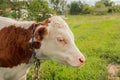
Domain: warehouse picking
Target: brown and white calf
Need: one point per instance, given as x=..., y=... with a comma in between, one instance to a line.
x=53, y=40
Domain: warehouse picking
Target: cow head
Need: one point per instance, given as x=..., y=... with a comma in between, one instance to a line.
x=58, y=43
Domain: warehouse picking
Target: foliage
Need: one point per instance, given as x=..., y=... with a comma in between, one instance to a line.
x=103, y=7
x=115, y=9
x=107, y=2
x=87, y=9
x=15, y=7
x=37, y=10
x=100, y=8
x=26, y=10
x=55, y=4
x=75, y=7
x=58, y=5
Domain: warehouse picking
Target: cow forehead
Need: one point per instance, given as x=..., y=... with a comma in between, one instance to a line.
x=57, y=21
x=58, y=25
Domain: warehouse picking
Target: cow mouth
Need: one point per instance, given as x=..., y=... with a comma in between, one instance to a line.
x=75, y=63
x=66, y=62
x=69, y=64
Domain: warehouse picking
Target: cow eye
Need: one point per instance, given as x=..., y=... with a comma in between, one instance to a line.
x=61, y=40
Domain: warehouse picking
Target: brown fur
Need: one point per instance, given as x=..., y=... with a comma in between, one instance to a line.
x=15, y=47
x=45, y=22
x=41, y=30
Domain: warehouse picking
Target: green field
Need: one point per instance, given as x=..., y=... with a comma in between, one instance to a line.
x=98, y=38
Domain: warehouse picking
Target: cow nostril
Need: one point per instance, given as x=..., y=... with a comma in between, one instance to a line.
x=81, y=60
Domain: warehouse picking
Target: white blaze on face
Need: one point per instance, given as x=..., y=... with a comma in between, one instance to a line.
x=59, y=44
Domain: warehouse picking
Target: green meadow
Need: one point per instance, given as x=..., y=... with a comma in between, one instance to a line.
x=98, y=38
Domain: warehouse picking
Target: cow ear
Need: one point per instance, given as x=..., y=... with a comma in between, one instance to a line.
x=45, y=22
x=40, y=33
x=41, y=30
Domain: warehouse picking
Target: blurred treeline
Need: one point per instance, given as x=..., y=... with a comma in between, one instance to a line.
x=25, y=9
x=41, y=9
x=99, y=8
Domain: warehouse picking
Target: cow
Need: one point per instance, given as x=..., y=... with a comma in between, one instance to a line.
x=53, y=40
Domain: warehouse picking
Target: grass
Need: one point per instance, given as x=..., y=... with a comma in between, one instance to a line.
x=98, y=38
x=118, y=73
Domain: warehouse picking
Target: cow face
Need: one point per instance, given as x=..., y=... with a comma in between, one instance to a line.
x=59, y=44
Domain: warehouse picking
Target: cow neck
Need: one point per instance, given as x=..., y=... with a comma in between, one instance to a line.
x=15, y=47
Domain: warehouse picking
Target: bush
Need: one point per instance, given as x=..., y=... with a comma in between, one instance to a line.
x=37, y=10
x=86, y=9
x=100, y=9
x=26, y=10
x=115, y=9
x=75, y=7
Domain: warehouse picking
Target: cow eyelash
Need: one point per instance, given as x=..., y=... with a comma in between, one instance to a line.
x=61, y=40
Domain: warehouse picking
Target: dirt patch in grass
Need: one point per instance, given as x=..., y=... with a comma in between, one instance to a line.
x=113, y=71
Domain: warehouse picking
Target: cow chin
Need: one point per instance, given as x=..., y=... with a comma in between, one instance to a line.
x=62, y=61
x=72, y=64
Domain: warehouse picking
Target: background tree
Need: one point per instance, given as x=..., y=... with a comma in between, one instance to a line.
x=87, y=9
x=76, y=7
x=3, y=5
x=63, y=7
x=37, y=9
x=32, y=9
x=107, y=2
x=55, y=4
x=100, y=8
x=115, y=9
x=11, y=8
x=59, y=5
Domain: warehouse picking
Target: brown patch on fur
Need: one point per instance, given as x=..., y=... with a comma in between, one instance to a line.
x=41, y=30
x=36, y=45
x=40, y=33
x=15, y=47
x=45, y=22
